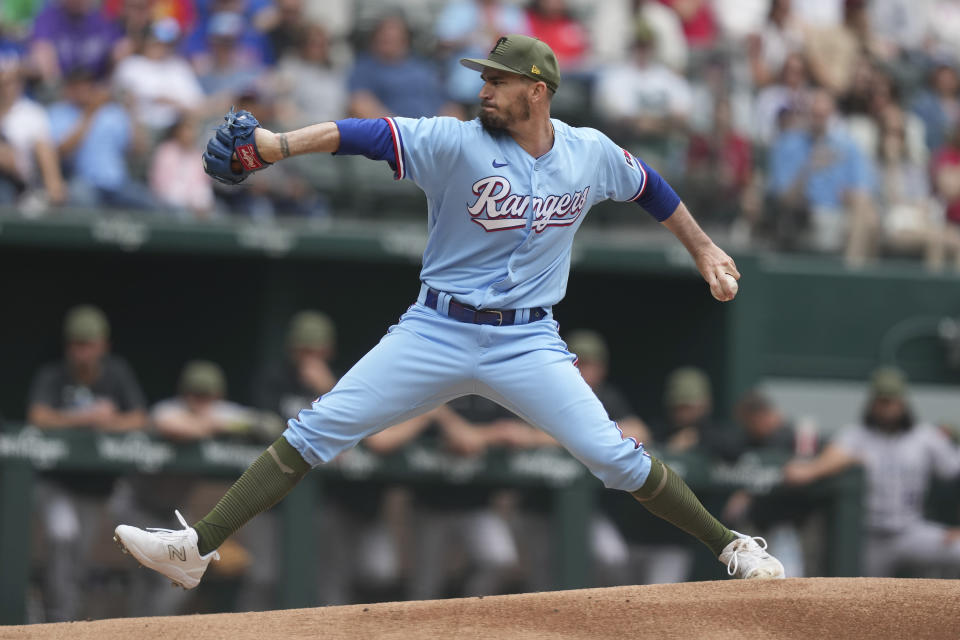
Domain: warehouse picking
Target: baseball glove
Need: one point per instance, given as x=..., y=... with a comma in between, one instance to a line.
x=231, y=153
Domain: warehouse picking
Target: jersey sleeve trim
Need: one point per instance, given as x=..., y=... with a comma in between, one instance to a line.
x=400, y=171
x=643, y=185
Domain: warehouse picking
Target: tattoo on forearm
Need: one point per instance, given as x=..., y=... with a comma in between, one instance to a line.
x=284, y=146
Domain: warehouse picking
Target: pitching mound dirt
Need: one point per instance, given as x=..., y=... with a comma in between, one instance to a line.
x=833, y=608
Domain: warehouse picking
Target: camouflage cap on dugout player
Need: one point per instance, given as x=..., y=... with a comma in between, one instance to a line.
x=85, y=323
x=202, y=377
x=311, y=330
x=687, y=385
x=589, y=346
x=888, y=382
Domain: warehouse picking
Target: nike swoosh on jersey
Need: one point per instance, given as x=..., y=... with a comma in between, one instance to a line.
x=497, y=165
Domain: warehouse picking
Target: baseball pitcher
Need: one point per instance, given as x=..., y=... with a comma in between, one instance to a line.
x=506, y=192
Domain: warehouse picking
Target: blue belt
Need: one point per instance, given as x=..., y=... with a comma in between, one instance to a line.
x=466, y=313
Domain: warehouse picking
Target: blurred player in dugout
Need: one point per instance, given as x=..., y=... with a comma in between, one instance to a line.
x=899, y=454
x=200, y=411
x=763, y=431
x=356, y=520
x=627, y=546
x=93, y=390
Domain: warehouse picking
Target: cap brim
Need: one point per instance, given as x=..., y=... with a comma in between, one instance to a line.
x=479, y=64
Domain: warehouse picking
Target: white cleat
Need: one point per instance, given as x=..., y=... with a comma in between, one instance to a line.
x=171, y=553
x=746, y=559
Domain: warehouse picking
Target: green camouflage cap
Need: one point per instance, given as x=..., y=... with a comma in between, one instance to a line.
x=687, y=385
x=203, y=377
x=588, y=345
x=311, y=330
x=888, y=382
x=85, y=323
x=520, y=54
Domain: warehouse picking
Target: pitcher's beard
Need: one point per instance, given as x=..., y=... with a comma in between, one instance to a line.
x=496, y=122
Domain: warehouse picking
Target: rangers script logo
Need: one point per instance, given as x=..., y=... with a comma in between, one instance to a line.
x=496, y=208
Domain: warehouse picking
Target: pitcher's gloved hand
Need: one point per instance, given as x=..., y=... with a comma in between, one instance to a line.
x=231, y=153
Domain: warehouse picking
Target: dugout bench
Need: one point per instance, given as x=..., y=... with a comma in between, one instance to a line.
x=25, y=450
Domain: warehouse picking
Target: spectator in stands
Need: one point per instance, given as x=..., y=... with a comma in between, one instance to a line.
x=554, y=23
x=613, y=26
x=288, y=31
x=176, y=179
x=29, y=166
x=17, y=17
x=381, y=78
x=468, y=29
x=778, y=105
x=715, y=82
x=197, y=413
x=767, y=50
x=720, y=171
x=73, y=34
x=939, y=106
x=137, y=15
x=872, y=99
x=819, y=14
x=943, y=21
x=258, y=16
x=134, y=17
x=160, y=84
x=689, y=404
x=946, y=182
x=900, y=28
x=644, y=99
x=94, y=135
x=857, y=98
x=833, y=51
x=822, y=185
x=912, y=220
x=699, y=23
x=310, y=87
x=228, y=69
x=89, y=390
x=899, y=454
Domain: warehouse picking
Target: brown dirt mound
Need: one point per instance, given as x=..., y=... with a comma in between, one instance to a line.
x=835, y=608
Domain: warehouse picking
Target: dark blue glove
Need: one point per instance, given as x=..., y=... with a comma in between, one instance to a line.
x=235, y=136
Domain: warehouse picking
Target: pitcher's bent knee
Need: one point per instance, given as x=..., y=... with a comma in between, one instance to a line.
x=626, y=472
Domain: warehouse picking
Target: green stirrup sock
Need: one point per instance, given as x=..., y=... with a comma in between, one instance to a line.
x=666, y=495
x=262, y=485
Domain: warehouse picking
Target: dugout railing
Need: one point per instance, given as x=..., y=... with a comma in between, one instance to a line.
x=573, y=491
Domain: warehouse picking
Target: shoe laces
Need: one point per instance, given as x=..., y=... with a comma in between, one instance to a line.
x=183, y=522
x=179, y=517
x=734, y=563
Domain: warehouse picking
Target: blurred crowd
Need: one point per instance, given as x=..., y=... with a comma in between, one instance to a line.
x=823, y=125
x=376, y=540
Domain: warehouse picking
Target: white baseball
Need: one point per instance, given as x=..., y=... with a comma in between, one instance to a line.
x=730, y=284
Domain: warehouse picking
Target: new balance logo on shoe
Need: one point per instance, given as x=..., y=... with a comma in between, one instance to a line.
x=173, y=554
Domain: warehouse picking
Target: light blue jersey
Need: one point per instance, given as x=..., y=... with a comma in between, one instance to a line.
x=501, y=226
x=501, y=222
